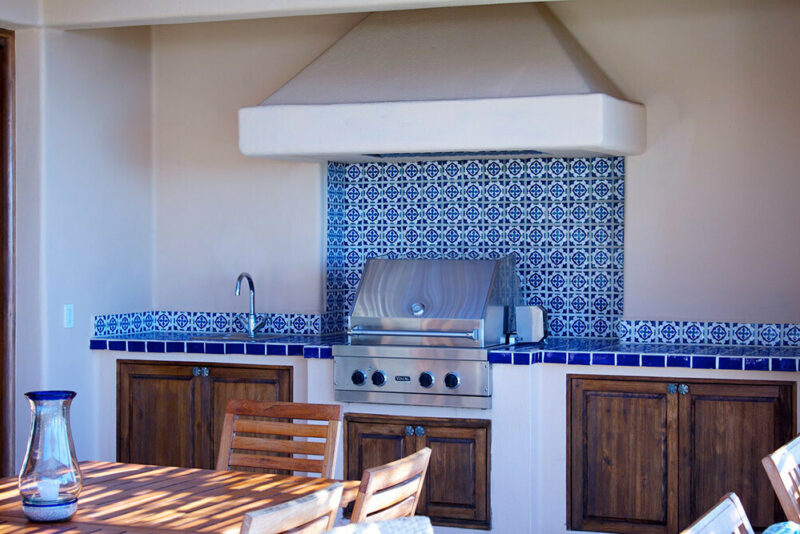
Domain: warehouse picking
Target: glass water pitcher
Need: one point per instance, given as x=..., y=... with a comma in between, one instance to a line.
x=50, y=479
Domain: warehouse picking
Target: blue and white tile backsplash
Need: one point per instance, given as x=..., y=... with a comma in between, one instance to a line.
x=562, y=218
x=710, y=333
x=204, y=322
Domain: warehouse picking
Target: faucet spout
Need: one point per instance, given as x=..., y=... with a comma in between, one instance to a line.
x=251, y=319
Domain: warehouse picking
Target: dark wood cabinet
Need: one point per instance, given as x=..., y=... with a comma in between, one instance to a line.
x=456, y=489
x=652, y=455
x=171, y=413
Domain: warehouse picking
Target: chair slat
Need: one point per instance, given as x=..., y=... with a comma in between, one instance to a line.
x=312, y=514
x=784, y=473
x=285, y=410
x=260, y=435
x=278, y=445
x=404, y=508
x=275, y=428
x=275, y=462
x=726, y=517
x=384, y=491
x=395, y=494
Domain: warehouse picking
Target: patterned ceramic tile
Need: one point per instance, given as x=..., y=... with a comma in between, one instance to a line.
x=709, y=333
x=561, y=218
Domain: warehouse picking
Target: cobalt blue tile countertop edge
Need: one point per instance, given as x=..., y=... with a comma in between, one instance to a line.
x=581, y=351
x=559, y=351
x=308, y=346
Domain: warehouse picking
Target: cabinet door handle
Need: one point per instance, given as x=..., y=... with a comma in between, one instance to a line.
x=672, y=388
x=409, y=430
x=196, y=371
x=419, y=431
x=205, y=371
x=683, y=389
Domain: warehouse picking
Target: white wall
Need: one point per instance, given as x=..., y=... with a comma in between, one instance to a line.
x=94, y=191
x=16, y=14
x=218, y=212
x=711, y=206
x=29, y=365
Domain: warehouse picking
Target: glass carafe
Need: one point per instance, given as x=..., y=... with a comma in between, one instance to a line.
x=50, y=479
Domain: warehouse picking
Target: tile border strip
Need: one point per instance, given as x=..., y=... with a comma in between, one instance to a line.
x=710, y=333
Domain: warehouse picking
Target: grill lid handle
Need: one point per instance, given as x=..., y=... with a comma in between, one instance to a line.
x=358, y=331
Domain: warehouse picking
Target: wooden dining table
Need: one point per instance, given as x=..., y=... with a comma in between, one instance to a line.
x=129, y=498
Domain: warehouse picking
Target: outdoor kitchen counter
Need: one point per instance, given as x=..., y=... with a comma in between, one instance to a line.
x=553, y=350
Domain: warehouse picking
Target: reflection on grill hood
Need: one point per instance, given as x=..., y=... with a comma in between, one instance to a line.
x=464, y=303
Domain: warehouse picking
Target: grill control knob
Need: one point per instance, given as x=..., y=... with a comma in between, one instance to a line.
x=359, y=377
x=452, y=380
x=426, y=379
x=379, y=378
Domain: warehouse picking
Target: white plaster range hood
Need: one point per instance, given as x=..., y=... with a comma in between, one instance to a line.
x=489, y=81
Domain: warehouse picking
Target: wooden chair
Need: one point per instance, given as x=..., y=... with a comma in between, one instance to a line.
x=784, y=473
x=259, y=449
x=311, y=514
x=403, y=525
x=727, y=517
x=392, y=490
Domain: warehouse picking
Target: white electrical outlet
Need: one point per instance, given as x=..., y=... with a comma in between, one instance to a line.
x=69, y=316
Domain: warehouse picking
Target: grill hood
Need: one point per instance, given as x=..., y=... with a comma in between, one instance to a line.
x=454, y=83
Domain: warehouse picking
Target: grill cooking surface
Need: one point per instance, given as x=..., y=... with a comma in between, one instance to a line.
x=419, y=331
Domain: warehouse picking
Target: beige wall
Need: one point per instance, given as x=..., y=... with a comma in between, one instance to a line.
x=218, y=212
x=712, y=214
x=84, y=209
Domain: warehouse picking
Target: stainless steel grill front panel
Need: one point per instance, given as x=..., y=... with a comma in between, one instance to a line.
x=402, y=377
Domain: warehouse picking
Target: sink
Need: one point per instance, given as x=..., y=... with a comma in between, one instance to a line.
x=233, y=336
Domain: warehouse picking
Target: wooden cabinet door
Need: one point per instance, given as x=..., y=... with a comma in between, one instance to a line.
x=725, y=430
x=456, y=490
x=623, y=448
x=370, y=441
x=158, y=408
x=223, y=382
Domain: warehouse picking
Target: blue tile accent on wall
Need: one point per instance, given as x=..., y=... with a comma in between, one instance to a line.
x=522, y=358
x=784, y=364
x=628, y=360
x=117, y=345
x=276, y=350
x=176, y=346
x=727, y=362
x=136, y=346
x=579, y=358
x=499, y=357
x=554, y=357
x=215, y=348
x=234, y=348
x=195, y=347
x=563, y=220
x=326, y=353
x=602, y=358
x=156, y=346
x=756, y=364
x=709, y=333
x=704, y=362
x=98, y=344
x=653, y=360
x=258, y=349
x=678, y=361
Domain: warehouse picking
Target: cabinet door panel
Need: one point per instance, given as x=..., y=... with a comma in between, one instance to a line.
x=455, y=489
x=623, y=451
x=231, y=382
x=373, y=444
x=725, y=431
x=156, y=413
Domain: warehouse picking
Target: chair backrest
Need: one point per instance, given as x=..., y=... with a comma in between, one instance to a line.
x=726, y=517
x=391, y=490
x=251, y=443
x=311, y=514
x=784, y=473
x=403, y=525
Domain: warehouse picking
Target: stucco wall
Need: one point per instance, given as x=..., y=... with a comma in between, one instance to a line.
x=711, y=206
x=218, y=212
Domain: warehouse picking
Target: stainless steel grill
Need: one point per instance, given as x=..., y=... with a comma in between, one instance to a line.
x=420, y=331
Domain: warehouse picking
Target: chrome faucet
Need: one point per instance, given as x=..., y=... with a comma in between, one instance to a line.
x=251, y=325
